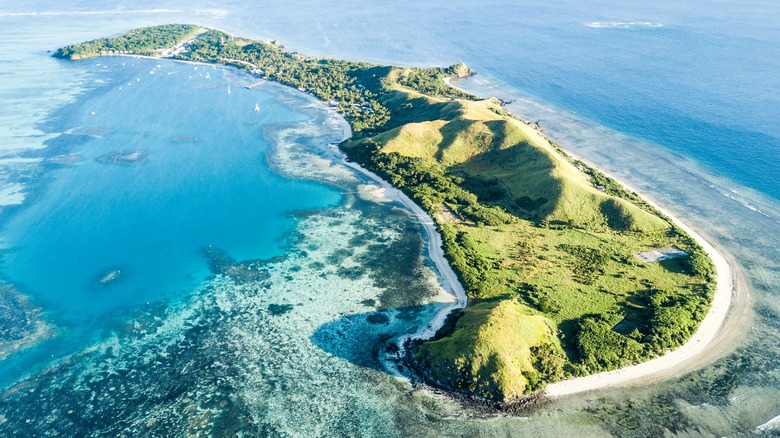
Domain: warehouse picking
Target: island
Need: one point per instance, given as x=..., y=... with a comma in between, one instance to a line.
x=567, y=272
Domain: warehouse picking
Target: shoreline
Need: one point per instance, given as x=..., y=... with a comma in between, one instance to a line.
x=707, y=332
x=448, y=81
x=727, y=290
x=381, y=191
x=683, y=359
x=731, y=291
x=658, y=368
x=448, y=280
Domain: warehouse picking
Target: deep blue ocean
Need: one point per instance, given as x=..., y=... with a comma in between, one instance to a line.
x=678, y=100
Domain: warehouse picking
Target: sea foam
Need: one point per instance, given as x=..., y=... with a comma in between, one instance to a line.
x=624, y=24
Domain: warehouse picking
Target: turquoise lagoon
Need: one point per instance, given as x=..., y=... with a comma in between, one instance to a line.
x=158, y=178
x=201, y=181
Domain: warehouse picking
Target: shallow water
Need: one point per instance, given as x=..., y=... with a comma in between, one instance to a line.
x=294, y=352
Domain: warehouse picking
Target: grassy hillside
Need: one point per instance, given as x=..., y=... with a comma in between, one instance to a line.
x=506, y=163
x=531, y=230
x=495, y=350
x=544, y=245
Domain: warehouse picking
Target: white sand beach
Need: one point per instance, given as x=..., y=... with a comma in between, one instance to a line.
x=449, y=280
x=713, y=339
x=700, y=348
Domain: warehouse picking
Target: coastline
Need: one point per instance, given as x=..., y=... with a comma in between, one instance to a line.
x=683, y=358
x=707, y=332
x=448, y=280
x=697, y=352
x=448, y=81
x=447, y=277
x=382, y=191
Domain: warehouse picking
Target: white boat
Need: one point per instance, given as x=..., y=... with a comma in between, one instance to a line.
x=257, y=107
x=228, y=89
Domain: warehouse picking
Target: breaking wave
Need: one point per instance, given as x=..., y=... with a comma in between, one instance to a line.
x=624, y=24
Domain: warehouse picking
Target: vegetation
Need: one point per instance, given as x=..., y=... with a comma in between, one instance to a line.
x=494, y=350
x=430, y=81
x=544, y=245
x=143, y=41
x=330, y=80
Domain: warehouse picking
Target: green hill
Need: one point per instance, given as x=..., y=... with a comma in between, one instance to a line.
x=497, y=349
x=507, y=163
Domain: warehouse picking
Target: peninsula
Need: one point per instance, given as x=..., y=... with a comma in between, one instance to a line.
x=567, y=272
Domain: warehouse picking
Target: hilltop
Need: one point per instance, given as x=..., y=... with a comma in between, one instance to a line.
x=544, y=245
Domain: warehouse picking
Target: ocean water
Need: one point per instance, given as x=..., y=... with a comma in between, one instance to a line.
x=677, y=100
x=200, y=183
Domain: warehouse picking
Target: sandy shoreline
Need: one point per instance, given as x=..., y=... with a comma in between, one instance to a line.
x=710, y=341
x=448, y=81
x=685, y=358
x=448, y=279
x=662, y=367
x=694, y=354
x=383, y=192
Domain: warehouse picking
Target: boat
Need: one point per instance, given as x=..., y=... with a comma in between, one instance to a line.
x=257, y=107
x=228, y=89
